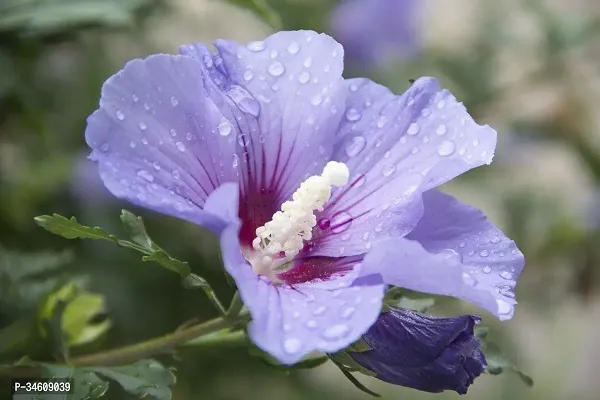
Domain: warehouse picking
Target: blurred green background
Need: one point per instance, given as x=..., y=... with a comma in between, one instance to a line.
x=529, y=68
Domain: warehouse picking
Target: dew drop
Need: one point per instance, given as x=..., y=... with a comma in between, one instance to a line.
x=304, y=77
x=175, y=174
x=120, y=115
x=104, y=147
x=469, y=279
x=441, y=130
x=308, y=62
x=355, y=146
x=293, y=48
x=340, y=222
x=156, y=166
x=425, y=112
x=274, y=54
x=319, y=310
x=316, y=100
x=311, y=324
x=484, y=253
x=135, y=98
x=242, y=140
x=382, y=121
x=486, y=269
x=173, y=132
x=506, y=275
x=462, y=245
x=352, y=114
x=276, y=69
x=292, y=345
x=324, y=223
x=248, y=75
x=255, y=46
x=180, y=146
x=359, y=182
x=244, y=100
x=224, y=128
x=389, y=170
x=142, y=173
x=503, y=307
x=414, y=150
x=441, y=104
x=495, y=240
x=174, y=101
x=132, y=144
x=413, y=129
x=236, y=161
x=336, y=332
x=348, y=311
x=142, y=126
x=446, y=148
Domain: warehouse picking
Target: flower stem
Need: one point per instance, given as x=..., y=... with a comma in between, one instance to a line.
x=235, y=307
x=156, y=346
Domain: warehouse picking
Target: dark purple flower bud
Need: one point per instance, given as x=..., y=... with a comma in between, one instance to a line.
x=422, y=352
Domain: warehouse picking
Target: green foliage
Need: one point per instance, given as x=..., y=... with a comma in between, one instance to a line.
x=143, y=378
x=347, y=365
x=38, y=17
x=397, y=297
x=262, y=9
x=308, y=362
x=497, y=361
x=141, y=242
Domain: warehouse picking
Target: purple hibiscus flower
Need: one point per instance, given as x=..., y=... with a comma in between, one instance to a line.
x=374, y=32
x=320, y=188
x=427, y=353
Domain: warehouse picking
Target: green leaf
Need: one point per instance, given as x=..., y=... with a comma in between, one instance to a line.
x=136, y=229
x=262, y=9
x=347, y=373
x=86, y=383
x=359, y=346
x=401, y=298
x=344, y=360
x=497, y=361
x=71, y=229
x=306, y=363
x=162, y=258
x=68, y=317
x=143, y=378
x=54, y=16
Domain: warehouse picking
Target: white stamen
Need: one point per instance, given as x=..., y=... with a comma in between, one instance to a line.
x=290, y=227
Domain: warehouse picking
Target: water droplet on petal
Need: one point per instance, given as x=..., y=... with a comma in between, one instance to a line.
x=175, y=174
x=304, y=77
x=348, y=311
x=506, y=275
x=248, y=75
x=486, y=269
x=180, y=146
x=441, y=130
x=382, y=121
x=120, y=115
x=319, y=310
x=143, y=126
x=293, y=48
x=503, y=307
x=173, y=132
x=389, y=170
x=355, y=146
x=425, y=112
x=495, y=240
x=132, y=144
x=446, y=148
x=244, y=100
x=484, y=253
x=292, y=345
x=311, y=324
x=353, y=114
x=236, y=161
x=336, y=332
x=308, y=62
x=441, y=104
x=145, y=175
x=316, y=100
x=174, y=101
x=104, y=147
x=413, y=129
x=469, y=279
x=276, y=69
x=224, y=127
x=135, y=98
x=255, y=46
x=341, y=221
x=324, y=223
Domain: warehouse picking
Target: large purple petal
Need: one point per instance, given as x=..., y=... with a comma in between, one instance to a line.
x=297, y=79
x=289, y=322
x=162, y=134
x=427, y=353
x=396, y=148
x=454, y=251
x=376, y=31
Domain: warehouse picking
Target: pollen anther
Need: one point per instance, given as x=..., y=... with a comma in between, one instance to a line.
x=290, y=227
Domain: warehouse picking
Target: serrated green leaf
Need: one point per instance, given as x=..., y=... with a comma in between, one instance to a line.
x=136, y=229
x=86, y=384
x=497, y=361
x=71, y=229
x=262, y=9
x=162, y=258
x=144, y=378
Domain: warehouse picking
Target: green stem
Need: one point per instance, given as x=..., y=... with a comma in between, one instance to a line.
x=235, y=307
x=218, y=340
x=152, y=347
